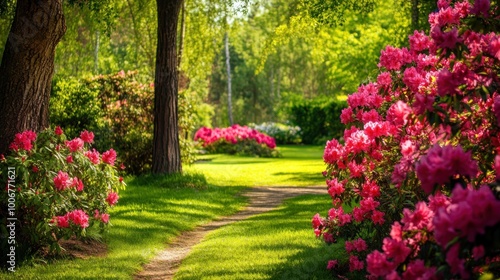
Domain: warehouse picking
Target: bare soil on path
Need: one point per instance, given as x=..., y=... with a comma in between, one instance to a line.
x=261, y=199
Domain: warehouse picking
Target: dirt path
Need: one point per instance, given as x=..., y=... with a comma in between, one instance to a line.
x=166, y=264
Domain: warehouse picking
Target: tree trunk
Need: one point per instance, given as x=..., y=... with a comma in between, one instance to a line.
x=228, y=67
x=414, y=15
x=166, y=150
x=27, y=67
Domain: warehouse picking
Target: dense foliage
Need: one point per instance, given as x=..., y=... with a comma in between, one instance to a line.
x=55, y=188
x=420, y=162
x=119, y=109
x=319, y=119
x=239, y=140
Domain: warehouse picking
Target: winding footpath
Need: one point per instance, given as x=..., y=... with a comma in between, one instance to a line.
x=262, y=199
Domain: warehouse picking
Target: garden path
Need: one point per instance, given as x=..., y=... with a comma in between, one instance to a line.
x=261, y=199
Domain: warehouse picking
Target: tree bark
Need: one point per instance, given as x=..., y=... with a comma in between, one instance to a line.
x=414, y=14
x=27, y=67
x=228, y=68
x=166, y=150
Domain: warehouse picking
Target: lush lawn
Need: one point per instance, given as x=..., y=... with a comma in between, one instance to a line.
x=153, y=210
x=150, y=212
x=299, y=166
x=279, y=244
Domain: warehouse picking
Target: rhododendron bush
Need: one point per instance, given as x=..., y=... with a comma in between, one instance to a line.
x=56, y=188
x=236, y=139
x=415, y=179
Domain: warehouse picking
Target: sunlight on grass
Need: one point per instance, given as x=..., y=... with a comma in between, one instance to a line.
x=299, y=166
x=275, y=245
x=146, y=217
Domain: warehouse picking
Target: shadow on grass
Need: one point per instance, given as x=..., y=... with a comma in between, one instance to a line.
x=300, y=176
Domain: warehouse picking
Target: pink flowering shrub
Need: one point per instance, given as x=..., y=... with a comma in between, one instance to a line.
x=236, y=139
x=417, y=163
x=58, y=188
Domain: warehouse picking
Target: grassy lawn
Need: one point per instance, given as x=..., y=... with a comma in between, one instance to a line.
x=153, y=210
x=150, y=212
x=279, y=244
x=299, y=166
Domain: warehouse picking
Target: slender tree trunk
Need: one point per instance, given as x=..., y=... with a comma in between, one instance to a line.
x=166, y=150
x=27, y=67
x=414, y=14
x=183, y=34
x=96, y=53
x=228, y=67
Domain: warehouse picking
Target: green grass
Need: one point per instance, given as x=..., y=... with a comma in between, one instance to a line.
x=299, y=166
x=151, y=211
x=279, y=244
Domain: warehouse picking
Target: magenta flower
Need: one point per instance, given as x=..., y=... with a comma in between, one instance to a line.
x=87, y=137
x=93, y=156
x=23, y=141
x=378, y=265
x=109, y=157
x=75, y=145
x=79, y=217
x=58, y=131
x=112, y=198
x=62, y=181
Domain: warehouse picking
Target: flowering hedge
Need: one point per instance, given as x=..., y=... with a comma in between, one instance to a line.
x=55, y=188
x=236, y=139
x=419, y=165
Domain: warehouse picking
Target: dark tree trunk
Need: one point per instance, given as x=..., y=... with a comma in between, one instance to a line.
x=415, y=14
x=27, y=67
x=166, y=150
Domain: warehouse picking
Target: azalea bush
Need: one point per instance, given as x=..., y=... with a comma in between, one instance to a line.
x=55, y=189
x=282, y=133
x=236, y=139
x=418, y=164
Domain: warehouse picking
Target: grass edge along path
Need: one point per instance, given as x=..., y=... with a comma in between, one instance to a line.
x=165, y=265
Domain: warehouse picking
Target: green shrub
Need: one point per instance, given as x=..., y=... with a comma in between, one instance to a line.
x=318, y=120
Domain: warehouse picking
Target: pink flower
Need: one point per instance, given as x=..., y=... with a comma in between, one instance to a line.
x=395, y=250
x=23, y=141
x=393, y=58
x=420, y=218
x=346, y=115
x=417, y=270
x=447, y=83
x=355, y=263
x=441, y=163
x=112, y=198
x=408, y=148
x=109, y=157
x=370, y=189
x=481, y=8
x=62, y=221
x=79, y=217
x=93, y=156
x=87, y=137
x=378, y=265
x=328, y=237
x=317, y=222
x=105, y=218
x=331, y=264
x=378, y=217
x=359, y=244
x=494, y=47
x=478, y=252
x=58, y=131
x=456, y=264
x=77, y=184
x=62, y=181
x=419, y=41
x=398, y=113
x=75, y=145
x=69, y=159
x=396, y=231
x=368, y=204
x=335, y=188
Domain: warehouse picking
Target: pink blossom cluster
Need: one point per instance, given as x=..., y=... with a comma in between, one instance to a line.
x=23, y=141
x=76, y=217
x=62, y=181
x=430, y=122
x=232, y=134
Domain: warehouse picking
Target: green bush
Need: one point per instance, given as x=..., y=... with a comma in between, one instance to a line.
x=318, y=120
x=119, y=109
x=55, y=189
